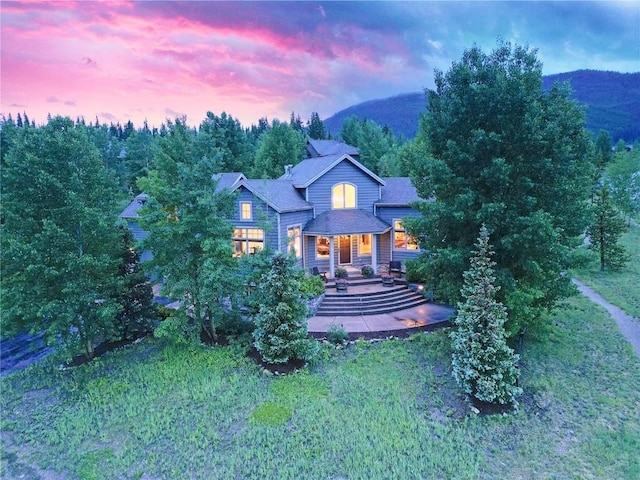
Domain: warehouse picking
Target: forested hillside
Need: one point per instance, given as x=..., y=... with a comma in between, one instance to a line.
x=612, y=100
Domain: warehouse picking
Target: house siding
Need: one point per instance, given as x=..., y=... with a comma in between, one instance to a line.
x=389, y=214
x=319, y=192
x=260, y=213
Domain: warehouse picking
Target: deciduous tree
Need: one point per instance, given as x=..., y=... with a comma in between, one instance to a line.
x=505, y=153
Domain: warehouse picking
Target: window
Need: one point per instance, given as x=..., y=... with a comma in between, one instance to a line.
x=365, y=244
x=247, y=241
x=402, y=241
x=343, y=195
x=322, y=247
x=245, y=211
x=295, y=239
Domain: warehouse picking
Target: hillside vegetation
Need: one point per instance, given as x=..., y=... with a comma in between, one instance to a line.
x=612, y=100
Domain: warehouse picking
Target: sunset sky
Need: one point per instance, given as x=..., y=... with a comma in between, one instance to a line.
x=122, y=60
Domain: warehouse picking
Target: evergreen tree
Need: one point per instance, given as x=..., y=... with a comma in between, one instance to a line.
x=60, y=250
x=189, y=235
x=223, y=137
x=483, y=364
x=315, y=127
x=281, y=327
x=606, y=230
x=295, y=122
x=505, y=153
x=134, y=293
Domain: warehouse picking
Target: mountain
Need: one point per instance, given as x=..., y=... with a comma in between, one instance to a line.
x=612, y=102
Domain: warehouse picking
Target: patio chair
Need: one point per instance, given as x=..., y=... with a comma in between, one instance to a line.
x=316, y=271
x=395, y=266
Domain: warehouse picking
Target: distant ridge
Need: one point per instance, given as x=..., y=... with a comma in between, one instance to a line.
x=612, y=101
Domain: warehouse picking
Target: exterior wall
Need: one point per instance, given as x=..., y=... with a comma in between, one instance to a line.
x=260, y=212
x=319, y=193
x=389, y=214
x=291, y=219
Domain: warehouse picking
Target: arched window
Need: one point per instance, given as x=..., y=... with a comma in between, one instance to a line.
x=343, y=195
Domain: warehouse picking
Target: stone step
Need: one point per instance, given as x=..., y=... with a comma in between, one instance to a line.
x=370, y=303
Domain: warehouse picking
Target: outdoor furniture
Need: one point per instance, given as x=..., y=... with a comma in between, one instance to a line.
x=316, y=271
x=395, y=267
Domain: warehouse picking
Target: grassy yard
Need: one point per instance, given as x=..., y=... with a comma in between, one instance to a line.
x=386, y=410
x=620, y=288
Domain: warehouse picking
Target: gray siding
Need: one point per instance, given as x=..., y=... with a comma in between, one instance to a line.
x=319, y=193
x=260, y=212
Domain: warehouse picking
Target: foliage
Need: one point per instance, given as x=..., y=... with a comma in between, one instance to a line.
x=315, y=127
x=614, y=286
x=341, y=272
x=169, y=412
x=189, y=232
x=367, y=271
x=375, y=143
x=605, y=231
x=311, y=286
x=483, y=364
x=280, y=145
x=336, y=334
x=60, y=248
x=622, y=176
x=281, y=328
x=507, y=154
x=223, y=139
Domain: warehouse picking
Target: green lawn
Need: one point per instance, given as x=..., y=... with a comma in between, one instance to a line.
x=620, y=288
x=387, y=410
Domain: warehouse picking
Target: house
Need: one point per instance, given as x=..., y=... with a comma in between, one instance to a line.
x=329, y=209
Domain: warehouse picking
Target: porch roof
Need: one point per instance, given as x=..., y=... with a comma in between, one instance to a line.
x=345, y=222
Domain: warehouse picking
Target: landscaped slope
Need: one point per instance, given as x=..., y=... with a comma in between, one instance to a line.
x=382, y=410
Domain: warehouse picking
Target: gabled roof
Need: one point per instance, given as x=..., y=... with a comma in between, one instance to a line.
x=321, y=148
x=228, y=180
x=278, y=194
x=132, y=209
x=309, y=170
x=345, y=221
x=397, y=191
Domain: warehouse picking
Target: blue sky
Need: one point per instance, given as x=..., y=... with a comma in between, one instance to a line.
x=122, y=60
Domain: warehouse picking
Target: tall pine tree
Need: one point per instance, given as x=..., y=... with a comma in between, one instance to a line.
x=483, y=364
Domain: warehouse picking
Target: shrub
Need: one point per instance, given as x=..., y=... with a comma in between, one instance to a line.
x=341, y=273
x=312, y=286
x=336, y=334
x=367, y=271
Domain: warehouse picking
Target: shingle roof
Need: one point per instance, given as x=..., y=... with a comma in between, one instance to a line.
x=309, y=170
x=322, y=148
x=345, y=222
x=132, y=209
x=279, y=194
x=227, y=180
x=398, y=191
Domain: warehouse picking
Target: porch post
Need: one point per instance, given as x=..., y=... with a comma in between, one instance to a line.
x=332, y=270
x=374, y=253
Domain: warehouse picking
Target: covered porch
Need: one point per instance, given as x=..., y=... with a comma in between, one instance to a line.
x=347, y=238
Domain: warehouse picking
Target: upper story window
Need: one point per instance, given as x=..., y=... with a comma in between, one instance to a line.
x=245, y=211
x=402, y=241
x=343, y=195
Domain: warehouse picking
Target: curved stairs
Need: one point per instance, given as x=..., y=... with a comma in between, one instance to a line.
x=386, y=300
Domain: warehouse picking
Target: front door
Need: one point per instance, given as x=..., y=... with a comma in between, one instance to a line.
x=345, y=250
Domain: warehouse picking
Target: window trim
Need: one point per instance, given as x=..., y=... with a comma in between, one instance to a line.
x=360, y=243
x=242, y=204
x=290, y=240
x=344, y=197
x=406, y=238
x=317, y=242
x=247, y=239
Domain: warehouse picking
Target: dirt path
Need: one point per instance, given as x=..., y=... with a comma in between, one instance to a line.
x=629, y=326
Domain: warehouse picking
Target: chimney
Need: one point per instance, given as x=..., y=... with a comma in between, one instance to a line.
x=287, y=170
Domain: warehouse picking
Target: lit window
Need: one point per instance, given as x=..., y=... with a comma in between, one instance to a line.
x=295, y=240
x=247, y=241
x=343, y=195
x=245, y=210
x=365, y=244
x=402, y=241
x=322, y=247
